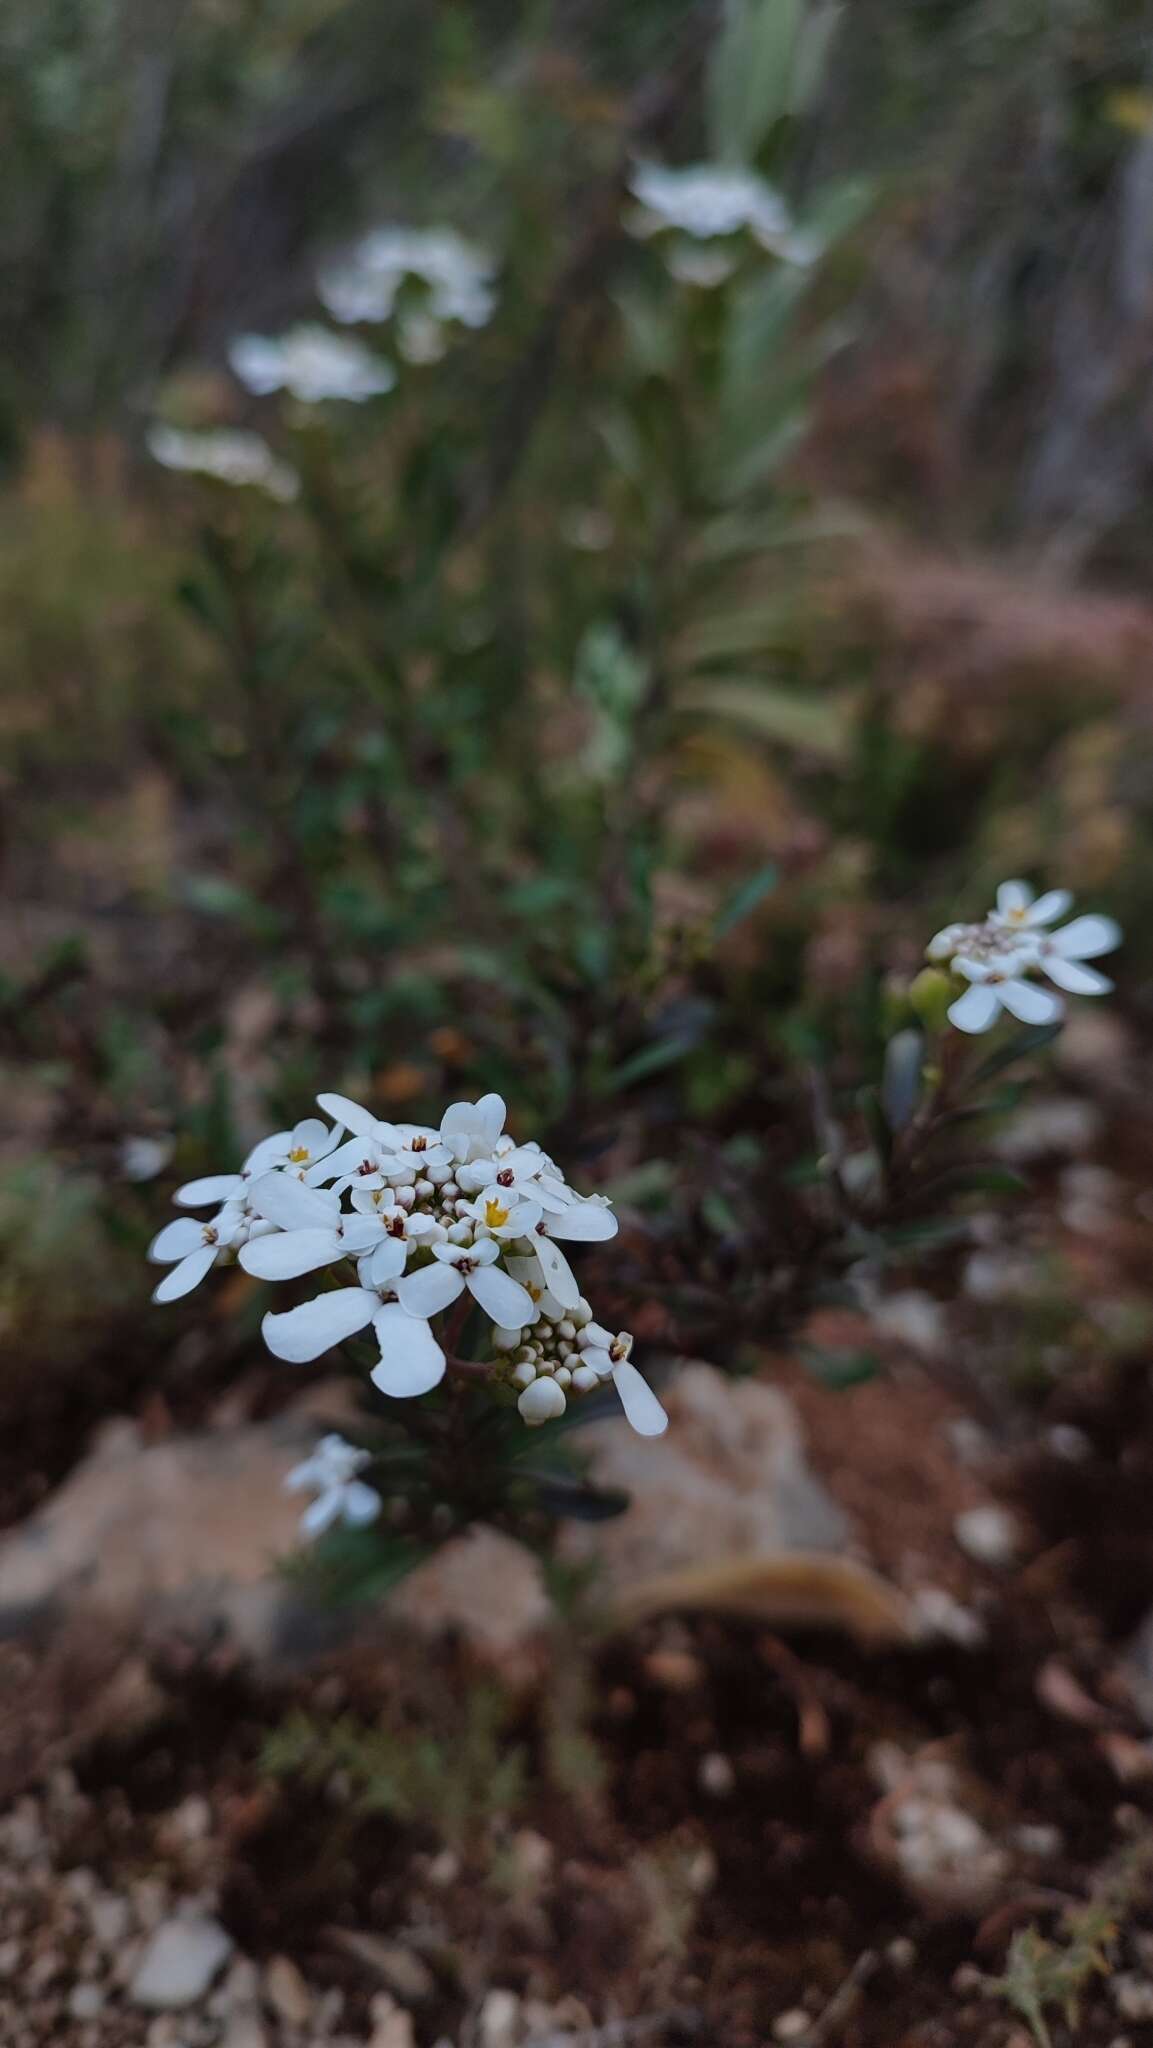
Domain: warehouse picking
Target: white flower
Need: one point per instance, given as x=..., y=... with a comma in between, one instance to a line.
x=411, y=1360
x=363, y=284
x=710, y=200
x=192, y=1248
x=457, y=1266
x=502, y=1213
x=311, y=363
x=471, y=1130
x=521, y=1169
x=330, y=1473
x=231, y=454
x=1000, y=956
x=610, y=1358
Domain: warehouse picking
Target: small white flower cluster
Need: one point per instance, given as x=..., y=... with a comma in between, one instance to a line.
x=230, y=454
x=311, y=363
x=363, y=285
x=429, y=1218
x=999, y=957
x=709, y=202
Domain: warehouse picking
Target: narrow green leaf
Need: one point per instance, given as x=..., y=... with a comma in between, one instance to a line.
x=1032, y=1040
x=747, y=898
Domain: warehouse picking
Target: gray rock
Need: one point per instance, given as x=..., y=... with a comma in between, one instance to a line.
x=179, y=1963
x=988, y=1534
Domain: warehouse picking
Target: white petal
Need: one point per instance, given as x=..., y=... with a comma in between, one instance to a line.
x=1085, y=938
x=975, y=970
x=639, y=1402
x=215, y=1187
x=385, y=1264
x=528, y=1272
x=312, y=1137
x=426, y=1292
x=270, y=1152
x=304, y=1332
x=1076, y=977
x=1013, y=896
x=1049, y=907
x=176, y=1240
x=485, y=1252
x=324, y=1511
x=584, y=1223
x=350, y=1114
x=187, y=1275
x=290, y=1205
x=451, y=1254
x=599, y=1359
x=411, y=1360
x=542, y=1401
x=361, y=1504
x=286, y=1254
x=346, y=1159
x=359, y=1233
x=501, y=1297
x=559, y=1277
x=1031, y=1004
x=977, y=1010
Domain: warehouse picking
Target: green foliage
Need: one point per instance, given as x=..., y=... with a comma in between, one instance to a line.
x=1045, y=1976
x=459, y=1779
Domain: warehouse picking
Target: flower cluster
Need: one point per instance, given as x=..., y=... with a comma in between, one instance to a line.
x=413, y=1224
x=311, y=363
x=330, y=1473
x=1000, y=957
x=364, y=284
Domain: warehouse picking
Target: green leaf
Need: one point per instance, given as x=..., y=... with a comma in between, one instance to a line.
x=750, y=75
x=768, y=712
x=1032, y=1040
x=750, y=895
x=839, y=1369
x=651, y=1059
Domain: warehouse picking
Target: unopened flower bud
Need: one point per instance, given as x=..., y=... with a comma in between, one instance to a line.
x=523, y=1375
x=459, y=1233
x=438, y=1175
x=405, y=1195
x=449, y=1191
x=563, y=1376
x=930, y=995
x=584, y=1379
x=424, y=1188
x=566, y=1328
x=505, y=1339
x=542, y=1402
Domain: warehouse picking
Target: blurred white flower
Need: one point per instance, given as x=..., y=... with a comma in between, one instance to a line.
x=364, y=282
x=311, y=363
x=231, y=454
x=707, y=201
x=1000, y=956
x=330, y=1473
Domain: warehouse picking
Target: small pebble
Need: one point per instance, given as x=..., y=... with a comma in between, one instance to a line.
x=86, y=2001
x=901, y=1953
x=792, y=2025
x=716, y=1775
x=1132, y=1995
x=287, y=1993
x=987, y=1534
x=498, y=2022
x=179, y=1963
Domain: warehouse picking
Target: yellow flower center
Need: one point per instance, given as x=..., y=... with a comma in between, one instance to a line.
x=495, y=1215
x=298, y=1155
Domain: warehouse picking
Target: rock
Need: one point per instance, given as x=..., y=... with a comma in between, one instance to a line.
x=1065, y=1125
x=86, y=2001
x=287, y=1993
x=482, y=1586
x=187, y=1528
x=792, y=2025
x=913, y=1318
x=988, y=1534
x=716, y=1775
x=179, y=1963
x=406, y=1974
x=925, y=1829
x=729, y=1479
x=941, y=1614
x=391, y=2025
x=498, y=2022
x=1132, y=1995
